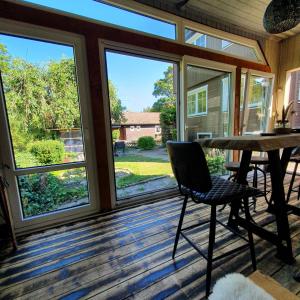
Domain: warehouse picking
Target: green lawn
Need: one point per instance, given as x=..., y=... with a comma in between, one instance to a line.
x=141, y=167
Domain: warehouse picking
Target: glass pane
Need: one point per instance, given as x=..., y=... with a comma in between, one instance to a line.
x=211, y=42
x=53, y=191
x=215, y=86
x=142, y=96
x=294, y=96
x=192, y=104
x=40, y=89
x=114, y=15
x=257, y=110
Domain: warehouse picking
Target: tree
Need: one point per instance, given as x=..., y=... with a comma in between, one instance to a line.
x=164, y=89
x=166, y=104
x=116, y=108
x=4, y=59
x=147, y=109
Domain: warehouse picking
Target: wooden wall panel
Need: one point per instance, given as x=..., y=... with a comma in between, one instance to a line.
x=289, y=60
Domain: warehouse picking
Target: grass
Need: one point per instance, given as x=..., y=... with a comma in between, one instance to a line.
x=141, y=168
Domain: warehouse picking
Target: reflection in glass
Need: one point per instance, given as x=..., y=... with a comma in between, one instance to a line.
x=207, y=110
x=211, y=42
x=41, y=97
x=52, y=191
x=257, y=110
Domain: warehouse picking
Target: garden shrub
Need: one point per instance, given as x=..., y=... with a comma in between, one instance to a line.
x=215, y=164
x=146, y=142
x=25, y=159
x=115, y=135
x=43, y=193
x=48, y=151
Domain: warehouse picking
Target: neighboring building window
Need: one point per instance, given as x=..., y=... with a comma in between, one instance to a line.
x=203, y=135
x=157, y=129
x=131, y=128
x=225, y=44
x=197, y=101
x=138, y=128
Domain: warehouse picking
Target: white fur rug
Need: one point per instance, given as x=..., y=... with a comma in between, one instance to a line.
x=237, y=287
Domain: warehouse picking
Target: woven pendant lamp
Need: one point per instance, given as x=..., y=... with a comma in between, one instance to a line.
x=281, y=15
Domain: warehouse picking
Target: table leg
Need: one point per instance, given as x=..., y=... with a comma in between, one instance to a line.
x=241, y=178
x=277, y=171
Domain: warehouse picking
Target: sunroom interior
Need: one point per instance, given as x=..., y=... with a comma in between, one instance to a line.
x=87, y=213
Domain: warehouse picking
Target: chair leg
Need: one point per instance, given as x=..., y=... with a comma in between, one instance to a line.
x=250, y=235
x=180, y=224
x=212, y=232
x=291, y=183
x=255, y=176
x=265, y=183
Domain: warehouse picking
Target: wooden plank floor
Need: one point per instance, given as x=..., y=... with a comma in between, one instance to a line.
x=127, y=254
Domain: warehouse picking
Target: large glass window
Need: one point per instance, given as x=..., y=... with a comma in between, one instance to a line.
x=41, y=98
x=113, y=15
x=142, y=96
x=204, y=40
x=207, y=109
x=256, y=108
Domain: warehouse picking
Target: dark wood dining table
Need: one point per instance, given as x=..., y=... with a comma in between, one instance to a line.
x=278, y=161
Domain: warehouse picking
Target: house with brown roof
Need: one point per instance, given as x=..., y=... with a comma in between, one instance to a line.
x=137, y=124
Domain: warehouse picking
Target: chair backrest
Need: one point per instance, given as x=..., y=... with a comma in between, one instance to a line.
x=189, y=165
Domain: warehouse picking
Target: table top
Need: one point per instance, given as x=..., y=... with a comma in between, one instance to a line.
x=252, y=142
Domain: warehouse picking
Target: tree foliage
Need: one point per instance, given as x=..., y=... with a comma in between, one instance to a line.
x=116, y=108
x=42, y=98
x=166, y=104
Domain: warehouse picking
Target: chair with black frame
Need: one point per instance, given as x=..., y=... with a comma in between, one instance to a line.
x=295, y=158
x=256, y=161
x=194, y=181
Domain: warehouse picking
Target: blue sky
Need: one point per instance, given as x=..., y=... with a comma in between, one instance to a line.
x=111, y=14
x=134, y=77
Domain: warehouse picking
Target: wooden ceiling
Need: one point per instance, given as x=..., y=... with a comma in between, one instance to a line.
x=228, y=15
x=244, y=13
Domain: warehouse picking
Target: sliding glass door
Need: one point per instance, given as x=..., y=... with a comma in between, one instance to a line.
x=256, y=91
x=142, y=101
x=207, y=105
x=45, y=128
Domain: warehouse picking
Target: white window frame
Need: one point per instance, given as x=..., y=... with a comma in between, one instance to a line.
x=138, y=51
x=131, y=128
x=138, y=128
x=196, y=92
x=180, y=23
x=246, y=107
x=29, y=224
x=206, y=134
x=223, y=36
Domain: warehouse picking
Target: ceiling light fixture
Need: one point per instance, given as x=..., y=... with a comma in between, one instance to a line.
x=281, y=15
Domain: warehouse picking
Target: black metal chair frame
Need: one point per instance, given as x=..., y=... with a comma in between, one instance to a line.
x=255, y=169
x=291, y=188
x=203, y=189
